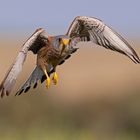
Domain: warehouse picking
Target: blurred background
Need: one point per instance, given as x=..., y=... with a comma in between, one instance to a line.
x=98, y=94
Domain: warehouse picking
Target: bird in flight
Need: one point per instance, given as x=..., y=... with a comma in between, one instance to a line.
x=52, y=51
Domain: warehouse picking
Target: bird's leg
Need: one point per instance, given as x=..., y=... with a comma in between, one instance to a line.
x=55, y=77
x=48, y=81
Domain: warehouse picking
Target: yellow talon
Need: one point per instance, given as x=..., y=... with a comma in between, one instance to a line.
x=55, y=78
x=48, y=82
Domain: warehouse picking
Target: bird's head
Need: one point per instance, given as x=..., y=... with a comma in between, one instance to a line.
x=64, y=43
x=64, y=40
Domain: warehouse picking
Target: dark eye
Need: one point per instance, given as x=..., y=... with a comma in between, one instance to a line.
x=59, y=40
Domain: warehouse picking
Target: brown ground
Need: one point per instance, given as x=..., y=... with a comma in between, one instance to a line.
x=98, y=91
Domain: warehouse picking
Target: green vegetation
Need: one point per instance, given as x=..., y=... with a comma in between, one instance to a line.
x=34, y=117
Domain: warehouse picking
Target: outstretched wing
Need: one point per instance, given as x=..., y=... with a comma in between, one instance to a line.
x=36, y=76
x=92, y=29
x=34, y=43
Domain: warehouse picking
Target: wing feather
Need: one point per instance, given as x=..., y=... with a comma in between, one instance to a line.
x=96, y=31
x=34, y=78
x=34, y=43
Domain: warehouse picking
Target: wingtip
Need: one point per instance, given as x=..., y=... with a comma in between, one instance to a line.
x=2, y=94
x=19, y=92
x=1, y=91
x=136, y=59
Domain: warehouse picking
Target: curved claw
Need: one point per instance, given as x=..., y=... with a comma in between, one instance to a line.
x=48, y=82
x=55, y=78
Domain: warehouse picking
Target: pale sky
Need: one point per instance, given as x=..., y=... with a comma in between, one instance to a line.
x=56, y=15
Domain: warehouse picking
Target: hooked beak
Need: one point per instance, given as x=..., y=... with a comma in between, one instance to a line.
x=65, y=41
